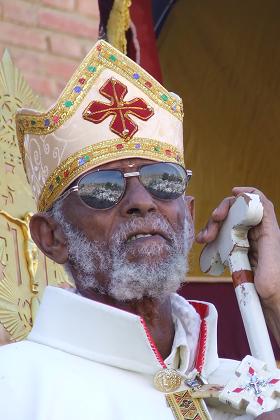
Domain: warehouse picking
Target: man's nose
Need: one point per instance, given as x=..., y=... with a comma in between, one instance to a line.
x=137, y=200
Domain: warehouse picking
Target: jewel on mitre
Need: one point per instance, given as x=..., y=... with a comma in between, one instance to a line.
x=254, y=387
x=121, y=123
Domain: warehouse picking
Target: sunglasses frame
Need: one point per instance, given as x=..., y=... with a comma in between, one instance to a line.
x=75, y=187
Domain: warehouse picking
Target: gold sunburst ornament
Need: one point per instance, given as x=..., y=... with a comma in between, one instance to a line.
x=14, y=94
x=24, y=270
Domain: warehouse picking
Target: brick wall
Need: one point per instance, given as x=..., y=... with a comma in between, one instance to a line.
x=47, y=39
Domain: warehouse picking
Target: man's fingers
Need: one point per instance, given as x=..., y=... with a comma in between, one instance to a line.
x=268, y=205
x=240, y=190
x=252, y=190
x=210, y=232
x=221, y=212
x=270, y=415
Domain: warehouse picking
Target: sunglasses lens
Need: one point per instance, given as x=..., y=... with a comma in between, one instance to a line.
x=166, y=181
x=101, y=189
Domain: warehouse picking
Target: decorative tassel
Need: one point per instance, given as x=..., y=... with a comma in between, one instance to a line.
x=118, y=24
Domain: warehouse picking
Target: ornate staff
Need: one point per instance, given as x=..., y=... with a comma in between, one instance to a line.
x=231, y=249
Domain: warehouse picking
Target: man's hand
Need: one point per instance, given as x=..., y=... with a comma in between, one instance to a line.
x=264, y=254
x=270, y=415
x=264, y=241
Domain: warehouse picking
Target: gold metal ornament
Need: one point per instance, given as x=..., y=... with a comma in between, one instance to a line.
x=184, y=407
x=167, y=380
x=24, y=270
x=30, y=249
x=118, y=24
x=14, y=94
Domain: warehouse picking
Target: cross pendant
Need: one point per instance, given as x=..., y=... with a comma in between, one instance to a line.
x=254, y=387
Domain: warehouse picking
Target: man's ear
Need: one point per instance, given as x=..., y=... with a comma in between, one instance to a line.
x=49, y=237
x=190, y=203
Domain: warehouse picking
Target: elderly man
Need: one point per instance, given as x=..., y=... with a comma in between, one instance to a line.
x=106, y=167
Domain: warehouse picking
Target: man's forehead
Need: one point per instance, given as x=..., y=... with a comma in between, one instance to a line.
x=124, y=164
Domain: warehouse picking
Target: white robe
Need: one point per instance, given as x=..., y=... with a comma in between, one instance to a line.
x=87, y=361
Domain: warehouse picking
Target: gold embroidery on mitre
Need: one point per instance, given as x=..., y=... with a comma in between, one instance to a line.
x=102, y=56
x=101, y=153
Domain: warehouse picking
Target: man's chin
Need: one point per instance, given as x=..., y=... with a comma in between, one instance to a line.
x=147, y=249
x=143, y=258
x=136, y=293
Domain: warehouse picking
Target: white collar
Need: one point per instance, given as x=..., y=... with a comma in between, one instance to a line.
x=108, y=335
x=187, y=329
x=179, y=356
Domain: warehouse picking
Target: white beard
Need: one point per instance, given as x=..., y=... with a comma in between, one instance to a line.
x=129, y=280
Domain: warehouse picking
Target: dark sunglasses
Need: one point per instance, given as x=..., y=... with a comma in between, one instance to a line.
x=104, y=188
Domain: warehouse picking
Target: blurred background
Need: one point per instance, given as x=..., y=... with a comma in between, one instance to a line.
x=221, y=57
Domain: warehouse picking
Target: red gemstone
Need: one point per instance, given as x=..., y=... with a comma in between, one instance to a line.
x=66, y=173
x=119, y=146
x=260, y=401
x=168, y=152
x=251, y=371
x=148, y=84
x=82, y=80
x=238, y=390
x=273, y=381
x=98, y=47
x=55, y=118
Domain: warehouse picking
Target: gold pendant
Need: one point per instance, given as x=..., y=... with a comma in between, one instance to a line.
x=167, y=380
x=182, y=404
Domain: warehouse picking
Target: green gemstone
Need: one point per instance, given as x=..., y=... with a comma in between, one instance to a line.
x=113, y=57
x=164, y=97
x=33, y=122
x=68, y=103
x=92, y=69
x=157, y=149
x=58, y=179
x=87, y=158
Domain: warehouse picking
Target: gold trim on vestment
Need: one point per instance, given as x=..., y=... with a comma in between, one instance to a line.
x=184, y=407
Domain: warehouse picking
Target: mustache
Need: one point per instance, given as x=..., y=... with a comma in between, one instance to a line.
x=152, y=223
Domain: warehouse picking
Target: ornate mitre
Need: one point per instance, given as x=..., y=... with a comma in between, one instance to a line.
x=110, y=109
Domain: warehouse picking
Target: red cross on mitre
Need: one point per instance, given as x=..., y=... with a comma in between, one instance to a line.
x=121, y=123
